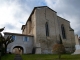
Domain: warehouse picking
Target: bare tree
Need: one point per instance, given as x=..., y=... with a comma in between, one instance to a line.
x=1, y=40
x=4, y=40
x=2, y=29
x=59, y=48
x=7, y=41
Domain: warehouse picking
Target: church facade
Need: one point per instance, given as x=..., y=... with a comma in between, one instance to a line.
x=46, y=28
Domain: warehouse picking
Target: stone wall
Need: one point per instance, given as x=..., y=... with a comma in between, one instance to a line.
x=38, y=20
x=69, y=42
x=44, y=15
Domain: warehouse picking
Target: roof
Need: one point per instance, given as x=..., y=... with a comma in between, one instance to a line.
x=33, y=12
x=17, y=34
x=39, y=7
x=71, y=29
x=63, y=18
x=22, y=27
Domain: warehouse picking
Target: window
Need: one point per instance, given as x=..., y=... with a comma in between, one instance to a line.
x=13, y=37
x=25, y=38
x=47, y=29
x=63, y=31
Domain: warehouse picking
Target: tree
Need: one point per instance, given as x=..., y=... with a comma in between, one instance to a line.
x=7, y=41
x=0, y=48
x=1, y=40
x=59, y=48
x=1, y=44
x=2, y=29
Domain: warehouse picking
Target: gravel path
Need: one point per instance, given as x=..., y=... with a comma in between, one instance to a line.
x=18, y=57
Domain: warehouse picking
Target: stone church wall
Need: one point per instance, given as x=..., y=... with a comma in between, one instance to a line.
x=37, y=28
x=69, y=42
x=42, y=16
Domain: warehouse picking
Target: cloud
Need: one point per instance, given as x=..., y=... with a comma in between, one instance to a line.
x=14, y=13
x=12, y=16
x=68, y=9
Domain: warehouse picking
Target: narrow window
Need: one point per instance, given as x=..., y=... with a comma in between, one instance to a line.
x=47, y=29
x=25, y=39
x=13, y=37
x=63, y=31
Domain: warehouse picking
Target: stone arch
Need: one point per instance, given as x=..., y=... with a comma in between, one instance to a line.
x=24, y=49
x=18, y=50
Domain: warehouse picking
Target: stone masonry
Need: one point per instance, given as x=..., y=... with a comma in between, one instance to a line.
x=35, y=26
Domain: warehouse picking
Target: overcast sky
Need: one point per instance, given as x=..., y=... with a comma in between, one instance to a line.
x=14, y=13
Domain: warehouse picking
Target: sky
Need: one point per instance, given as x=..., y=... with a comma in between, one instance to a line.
x=14, y=13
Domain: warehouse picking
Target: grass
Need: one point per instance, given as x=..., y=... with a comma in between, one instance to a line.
x=50, y=57
x=8, y=57
x=42, y=57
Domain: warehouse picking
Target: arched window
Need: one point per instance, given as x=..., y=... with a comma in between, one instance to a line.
x=47, y=29
x=63, y=31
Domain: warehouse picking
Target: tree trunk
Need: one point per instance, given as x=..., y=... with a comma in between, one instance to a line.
x=0, y=55
x=59, y=56
x=0, y=50
x=5, y=49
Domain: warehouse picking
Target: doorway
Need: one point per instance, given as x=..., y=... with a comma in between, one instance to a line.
x=18, y=50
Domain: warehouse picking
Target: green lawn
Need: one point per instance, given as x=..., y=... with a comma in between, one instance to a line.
x=50, y=57
x=8, y=57
x=42, y=57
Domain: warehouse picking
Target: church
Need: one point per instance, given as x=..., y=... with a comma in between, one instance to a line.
x=44, y=24
x=45, y=28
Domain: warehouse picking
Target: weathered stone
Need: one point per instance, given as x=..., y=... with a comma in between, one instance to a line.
x=35, y=26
